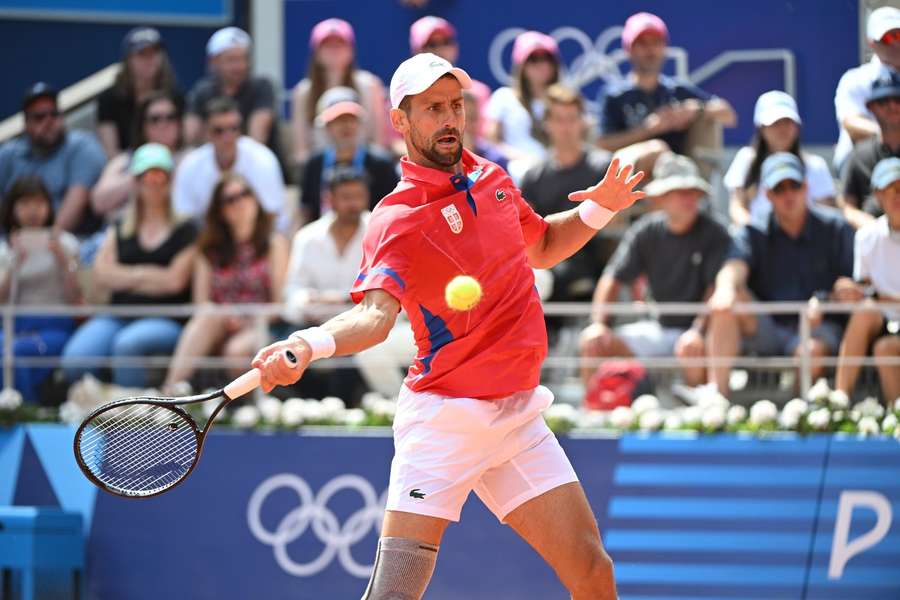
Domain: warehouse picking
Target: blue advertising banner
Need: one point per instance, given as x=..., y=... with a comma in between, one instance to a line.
x=287, y=515
x=737, y=50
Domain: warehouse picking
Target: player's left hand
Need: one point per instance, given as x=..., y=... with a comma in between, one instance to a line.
x=615, y=191
x=274, y=370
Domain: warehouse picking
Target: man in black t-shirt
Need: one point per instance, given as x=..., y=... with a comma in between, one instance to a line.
x=228, y=53
x=856, y=200
x=342, y=115
x=570, y=165
x=679, y=250
x=648, y=108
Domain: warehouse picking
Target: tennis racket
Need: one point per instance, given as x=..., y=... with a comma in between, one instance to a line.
x=144, y=446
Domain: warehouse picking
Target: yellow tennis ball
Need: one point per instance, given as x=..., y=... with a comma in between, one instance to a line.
x=462, y=293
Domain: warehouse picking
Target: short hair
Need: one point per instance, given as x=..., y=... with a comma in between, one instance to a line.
x=220, y=105
x=27, y=185
x=563, y=95
x=341, y=175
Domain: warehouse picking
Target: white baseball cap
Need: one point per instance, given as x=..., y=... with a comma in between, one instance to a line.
x=225, y=39
x=417, y=74
x=774, y=106
x=881, y=21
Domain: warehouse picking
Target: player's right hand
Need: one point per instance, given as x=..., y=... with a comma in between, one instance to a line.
x=274, y=370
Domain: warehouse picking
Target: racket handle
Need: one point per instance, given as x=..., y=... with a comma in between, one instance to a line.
x=250, y=380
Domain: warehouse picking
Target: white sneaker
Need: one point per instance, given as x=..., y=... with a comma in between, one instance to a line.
x=694, y=395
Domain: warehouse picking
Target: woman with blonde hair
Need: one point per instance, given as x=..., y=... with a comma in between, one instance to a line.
x=146, y=259
x=241, y=260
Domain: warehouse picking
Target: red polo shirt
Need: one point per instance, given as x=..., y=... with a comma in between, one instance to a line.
x=435, y=226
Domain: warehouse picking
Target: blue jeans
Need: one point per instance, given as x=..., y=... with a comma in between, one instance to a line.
x=36, y=336
x=118, y=337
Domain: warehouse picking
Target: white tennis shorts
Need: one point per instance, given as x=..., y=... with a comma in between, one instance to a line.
x=446, y=447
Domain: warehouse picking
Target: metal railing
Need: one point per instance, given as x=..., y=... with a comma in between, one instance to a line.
x=263, y=314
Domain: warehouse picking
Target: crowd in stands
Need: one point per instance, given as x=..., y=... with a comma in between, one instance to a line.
x=185, y=197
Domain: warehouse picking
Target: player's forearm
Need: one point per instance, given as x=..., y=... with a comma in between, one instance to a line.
x=565, y=236
x=365, y=325
x=357, y=330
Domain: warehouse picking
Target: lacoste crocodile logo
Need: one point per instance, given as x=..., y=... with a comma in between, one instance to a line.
x=417, y=494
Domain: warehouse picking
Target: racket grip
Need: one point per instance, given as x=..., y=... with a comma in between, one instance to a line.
x=250, y=380
x=244, y=384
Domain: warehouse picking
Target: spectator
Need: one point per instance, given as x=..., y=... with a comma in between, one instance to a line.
x=240, y=261
x=800, y=253
x=158, y=121
x=228, y=53
x=473, y=140
x=228, y=150
x=777, y=130
x=856, y=199
x=569, y=165
x=342, y=117
x=694, y=247
x=68, y=162
x=333, y=64
x=145, y=69
x=438, y=36
x=854, y=118
x=516, y=112
x=38, y=266
x=324, y=263
x=648, y=106
x=875, y=265
x=145, y=259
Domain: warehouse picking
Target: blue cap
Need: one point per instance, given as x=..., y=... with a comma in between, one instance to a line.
x=886, y=86
x=780, y=166
x=886, y=172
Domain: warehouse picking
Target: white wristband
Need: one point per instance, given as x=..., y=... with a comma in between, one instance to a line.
x=320, y=341
x=594, y=215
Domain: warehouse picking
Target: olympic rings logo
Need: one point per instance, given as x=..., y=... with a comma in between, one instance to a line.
x=312, y=515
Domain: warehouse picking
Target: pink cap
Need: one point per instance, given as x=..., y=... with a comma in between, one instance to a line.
x=642, y=22
x=422, y=30
x=530, y=42
x=331, y=27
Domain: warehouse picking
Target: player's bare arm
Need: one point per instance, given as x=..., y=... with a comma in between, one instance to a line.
x=363, y=326
x=569, y=231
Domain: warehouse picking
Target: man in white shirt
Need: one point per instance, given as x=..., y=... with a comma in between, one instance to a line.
x=228, y=150
x=876, y=256
x=325, y=259
x=856, y=122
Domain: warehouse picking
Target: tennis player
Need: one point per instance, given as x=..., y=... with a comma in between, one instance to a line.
x=469, y=412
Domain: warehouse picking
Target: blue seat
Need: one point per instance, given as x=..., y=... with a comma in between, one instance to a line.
x=44, y=547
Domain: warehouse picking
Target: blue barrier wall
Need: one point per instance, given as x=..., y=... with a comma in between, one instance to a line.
x=295, y=516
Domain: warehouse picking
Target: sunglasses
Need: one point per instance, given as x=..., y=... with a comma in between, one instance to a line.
x=891, y=37
x=41, y=115
x=230, y=199
x=440, y=42
x=162, y=118
x=787, y=185
x=228, y=129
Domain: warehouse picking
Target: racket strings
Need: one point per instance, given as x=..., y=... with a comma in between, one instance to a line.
x=139, y=449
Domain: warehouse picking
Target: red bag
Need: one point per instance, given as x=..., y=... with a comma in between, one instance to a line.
x=613, y=384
